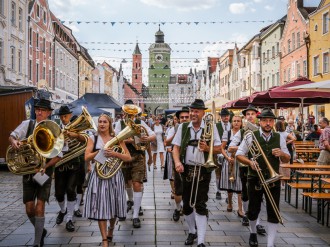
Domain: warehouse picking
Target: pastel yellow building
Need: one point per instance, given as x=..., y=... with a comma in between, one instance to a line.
x=319, y=46
x=86, y=66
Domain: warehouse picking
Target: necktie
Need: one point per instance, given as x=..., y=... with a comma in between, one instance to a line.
x=225, y=127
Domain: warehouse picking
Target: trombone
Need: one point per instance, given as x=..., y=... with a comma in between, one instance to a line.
x=256, y=151
x=207, y=137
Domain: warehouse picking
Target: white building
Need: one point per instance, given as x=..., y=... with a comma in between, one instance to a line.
x=13, y=42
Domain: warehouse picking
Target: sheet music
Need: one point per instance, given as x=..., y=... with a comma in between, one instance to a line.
x=100, y=157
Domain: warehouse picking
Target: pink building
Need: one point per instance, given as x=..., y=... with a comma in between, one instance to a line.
x=41, y=37
x=294, y=42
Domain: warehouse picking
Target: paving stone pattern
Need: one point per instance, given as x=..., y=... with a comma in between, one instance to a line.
x=157, y=227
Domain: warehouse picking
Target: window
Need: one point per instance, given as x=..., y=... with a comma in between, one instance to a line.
x=37, y=72
x=13, y=13
x=30, y=36
x=1, y=51
x=45, y=17
x=37, y=41
x=30, y=70
x=325, y=24
x=278, y=48
x=298, y=69
x=263, y=57
x=38, y=9
x=268, y=51
x=2, y=7
x=44, y=72
x=273, y=51
x=44, y=45
x=289, y=75
x=20, y=19
x=293, y=41
x=316, y=63
x=298, y=40
x=50, y=78
x=136, y=76
x=305, y=68
x=20, y=61
x=289, y=46
x=273, y=80
x=277, y=78
x=50, y=49
x=12, y=57
x=326, y=62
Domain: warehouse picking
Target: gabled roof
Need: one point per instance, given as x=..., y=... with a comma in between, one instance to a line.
x=102, y=100
x=85, y=54
x=305, y=11
x=31, y=3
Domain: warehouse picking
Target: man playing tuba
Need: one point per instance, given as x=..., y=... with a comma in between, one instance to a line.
x=134, y=171
x=35, y=195
x=275, y=150
x=66, y=174
x=187, y=142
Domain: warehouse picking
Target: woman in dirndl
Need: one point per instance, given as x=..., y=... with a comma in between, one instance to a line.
x=230, y=180
x=105, y=198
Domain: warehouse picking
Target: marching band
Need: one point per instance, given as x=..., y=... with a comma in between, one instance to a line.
x=116, y=164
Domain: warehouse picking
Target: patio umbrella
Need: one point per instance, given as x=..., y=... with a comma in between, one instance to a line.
x=321, y=86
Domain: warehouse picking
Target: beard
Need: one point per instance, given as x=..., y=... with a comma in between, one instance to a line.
x=266, y=130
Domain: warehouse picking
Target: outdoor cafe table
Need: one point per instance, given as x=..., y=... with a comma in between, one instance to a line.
x=326, y=180
x=307, y=151
x=315, y=173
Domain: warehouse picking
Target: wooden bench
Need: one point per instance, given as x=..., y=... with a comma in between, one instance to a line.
x=323, y=201
x=306, y=187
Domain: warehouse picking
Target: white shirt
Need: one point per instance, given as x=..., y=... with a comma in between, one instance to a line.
x=194, y=135
x=20, y=132
x=243, y=148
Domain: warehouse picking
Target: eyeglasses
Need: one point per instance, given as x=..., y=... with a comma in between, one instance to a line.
x=40, y=109
x=182, y=117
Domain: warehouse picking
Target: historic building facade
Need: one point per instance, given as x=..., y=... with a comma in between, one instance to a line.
x=159, y=73
x=13, y=42
x=85, y=68
x=41, y=47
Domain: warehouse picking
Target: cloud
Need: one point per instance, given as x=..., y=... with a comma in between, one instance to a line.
x=268, y=7
x=237, y=8
x=182, y=5
x=73, y=27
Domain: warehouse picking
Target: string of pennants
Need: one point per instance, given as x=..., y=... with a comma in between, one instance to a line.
x=173, y=43
x=164, y=22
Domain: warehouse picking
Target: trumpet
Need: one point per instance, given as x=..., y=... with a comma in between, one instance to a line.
x=207, y=137
x=232, y=171
x=256, y=151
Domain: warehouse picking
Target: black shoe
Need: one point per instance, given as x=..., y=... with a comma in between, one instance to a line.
x=44, y=233
x=60, y=217
x=245, y=221
x=190, y=239
x=176, y=215
x=140, y=211
x=253, y=241
x=130, y=204
x=218, y=196
x=201, y=245
x=261, y=230
x=136, y=223
x=77, y=213
x=69, y=226
x=121, y=218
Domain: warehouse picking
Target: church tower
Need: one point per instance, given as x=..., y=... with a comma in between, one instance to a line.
x=159, y=73
x=137, y=69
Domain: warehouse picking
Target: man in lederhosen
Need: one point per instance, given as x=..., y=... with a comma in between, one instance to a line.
x=250, y=114
x=189, y=153
x=34, y=195
x=134, y=172
x=183, y=117
x=275, y=150
x=223, y=126
x=66, y=174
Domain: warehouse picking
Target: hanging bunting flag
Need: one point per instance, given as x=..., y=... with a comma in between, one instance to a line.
x=78, y=22
x=113, y=23
x=196, y=22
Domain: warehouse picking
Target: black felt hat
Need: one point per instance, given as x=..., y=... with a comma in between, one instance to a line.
x=129, y=102
x=281, y=118
x=198, y=104
x=266, y=113
x=64, y=109
x=184, y=109
x=224, y=112
x=43, y=103
x=250, y=108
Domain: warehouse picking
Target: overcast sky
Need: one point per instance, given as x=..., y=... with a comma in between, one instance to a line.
x=250, y=16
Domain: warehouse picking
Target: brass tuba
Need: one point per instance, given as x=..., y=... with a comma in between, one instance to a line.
x=83, y=122
x=256, y=151
x=111, y=166
x=46, y=141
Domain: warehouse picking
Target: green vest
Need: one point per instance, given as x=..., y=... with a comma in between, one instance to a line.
x=185, y=138
x=267, y=147
x=220, y=129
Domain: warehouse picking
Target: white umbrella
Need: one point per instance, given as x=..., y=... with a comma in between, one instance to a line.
x=321, y=86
